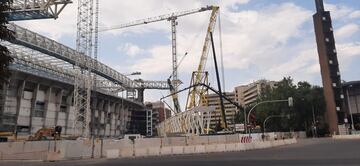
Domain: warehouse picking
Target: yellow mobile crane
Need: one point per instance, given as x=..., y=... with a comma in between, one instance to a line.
x=197, y=94
x=174, y=83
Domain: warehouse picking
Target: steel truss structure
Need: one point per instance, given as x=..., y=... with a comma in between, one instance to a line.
x=172, y=18
x=36, y=9
x=32, y=41
x=83, y=77
x=41, y=56
x=193, y=122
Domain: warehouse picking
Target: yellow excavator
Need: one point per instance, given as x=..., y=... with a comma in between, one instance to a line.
x=53, y=133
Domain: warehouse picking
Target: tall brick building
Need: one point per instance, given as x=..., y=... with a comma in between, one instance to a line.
x=330, y=73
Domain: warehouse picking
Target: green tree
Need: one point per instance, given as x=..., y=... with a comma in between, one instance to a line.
x=309, y=103
x=283, y=90
x=5, y=34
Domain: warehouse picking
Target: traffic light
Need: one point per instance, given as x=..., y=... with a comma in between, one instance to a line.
x=253, y=119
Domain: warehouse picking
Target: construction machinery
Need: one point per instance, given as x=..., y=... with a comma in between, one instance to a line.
x=172, y=18
x=196, y=95
x=47, y=134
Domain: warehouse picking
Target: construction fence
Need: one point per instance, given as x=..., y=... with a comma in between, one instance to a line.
x=98, y=148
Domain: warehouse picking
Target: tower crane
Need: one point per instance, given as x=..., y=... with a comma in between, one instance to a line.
x=172, y=18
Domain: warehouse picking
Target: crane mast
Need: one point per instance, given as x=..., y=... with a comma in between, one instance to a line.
x=172, y=18
x=196, y=95
x=83, y=82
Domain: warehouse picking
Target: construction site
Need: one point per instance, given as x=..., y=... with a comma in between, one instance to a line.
x=55, y=85
x=61, y=102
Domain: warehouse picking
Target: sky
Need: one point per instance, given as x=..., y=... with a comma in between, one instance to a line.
x=261, y=39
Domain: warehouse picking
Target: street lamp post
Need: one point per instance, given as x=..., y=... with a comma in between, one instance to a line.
x=349, y=105
x=272, y=116
x=314, y=121
x=289, y=100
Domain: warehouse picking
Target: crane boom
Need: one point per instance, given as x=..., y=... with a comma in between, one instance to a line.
x=164, y=17
x=172, y=18
x=196, y=95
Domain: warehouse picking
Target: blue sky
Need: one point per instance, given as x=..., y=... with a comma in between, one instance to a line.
x=262, y=39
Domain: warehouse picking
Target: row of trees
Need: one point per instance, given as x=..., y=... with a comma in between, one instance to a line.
x=309, y=106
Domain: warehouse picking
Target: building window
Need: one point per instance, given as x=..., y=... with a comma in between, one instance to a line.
x=39, y=109
x=337, y=108
x=324, y=18
x=63, y=108
x=334, y=50
x=342, y=96
x=331, y=29
x=330, y=62
x=327, y=39
x=334, y=84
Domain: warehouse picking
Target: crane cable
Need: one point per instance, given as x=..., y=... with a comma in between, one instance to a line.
x=221, y=54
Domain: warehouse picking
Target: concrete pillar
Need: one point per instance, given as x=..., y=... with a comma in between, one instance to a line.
x=117, y=118
x=69, y=103
x=112, y=112
x=20, y=92
x=125, y=118
x=3, y=92
x=47, y=101
x=106, y=111
x=100, y=118
x=33, y=103
x=58, y=102
x=140, y=97
x=94, y=111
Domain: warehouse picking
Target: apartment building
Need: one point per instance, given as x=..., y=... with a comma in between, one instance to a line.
x=230, y=109
x=247, y=94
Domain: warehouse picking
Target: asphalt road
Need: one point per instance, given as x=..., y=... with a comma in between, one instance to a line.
x=327, y=152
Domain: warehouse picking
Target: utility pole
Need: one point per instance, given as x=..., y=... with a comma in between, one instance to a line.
x=314, y=121
x=349, y=105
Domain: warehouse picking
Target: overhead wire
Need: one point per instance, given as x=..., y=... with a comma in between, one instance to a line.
x=221, y=54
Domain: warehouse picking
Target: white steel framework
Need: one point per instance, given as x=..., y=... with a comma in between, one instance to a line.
x=36, y=9
x=193, y=122
x=83, y=78
x=51, y=48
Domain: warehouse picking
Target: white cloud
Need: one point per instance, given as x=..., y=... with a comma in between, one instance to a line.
x=159, y=62
x=55, y=29
x=355, y=14
x=347, y=30
x=349, y=50
x=338, y=11
x=130, y=49
x=232, y=3
x=257, y=37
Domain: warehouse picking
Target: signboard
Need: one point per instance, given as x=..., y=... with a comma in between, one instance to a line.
x=239, y=127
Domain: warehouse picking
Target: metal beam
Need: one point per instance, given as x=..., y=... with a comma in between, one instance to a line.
x=35, y=41
x=36, y=9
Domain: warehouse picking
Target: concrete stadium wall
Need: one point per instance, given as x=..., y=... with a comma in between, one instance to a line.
x=81, y=149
